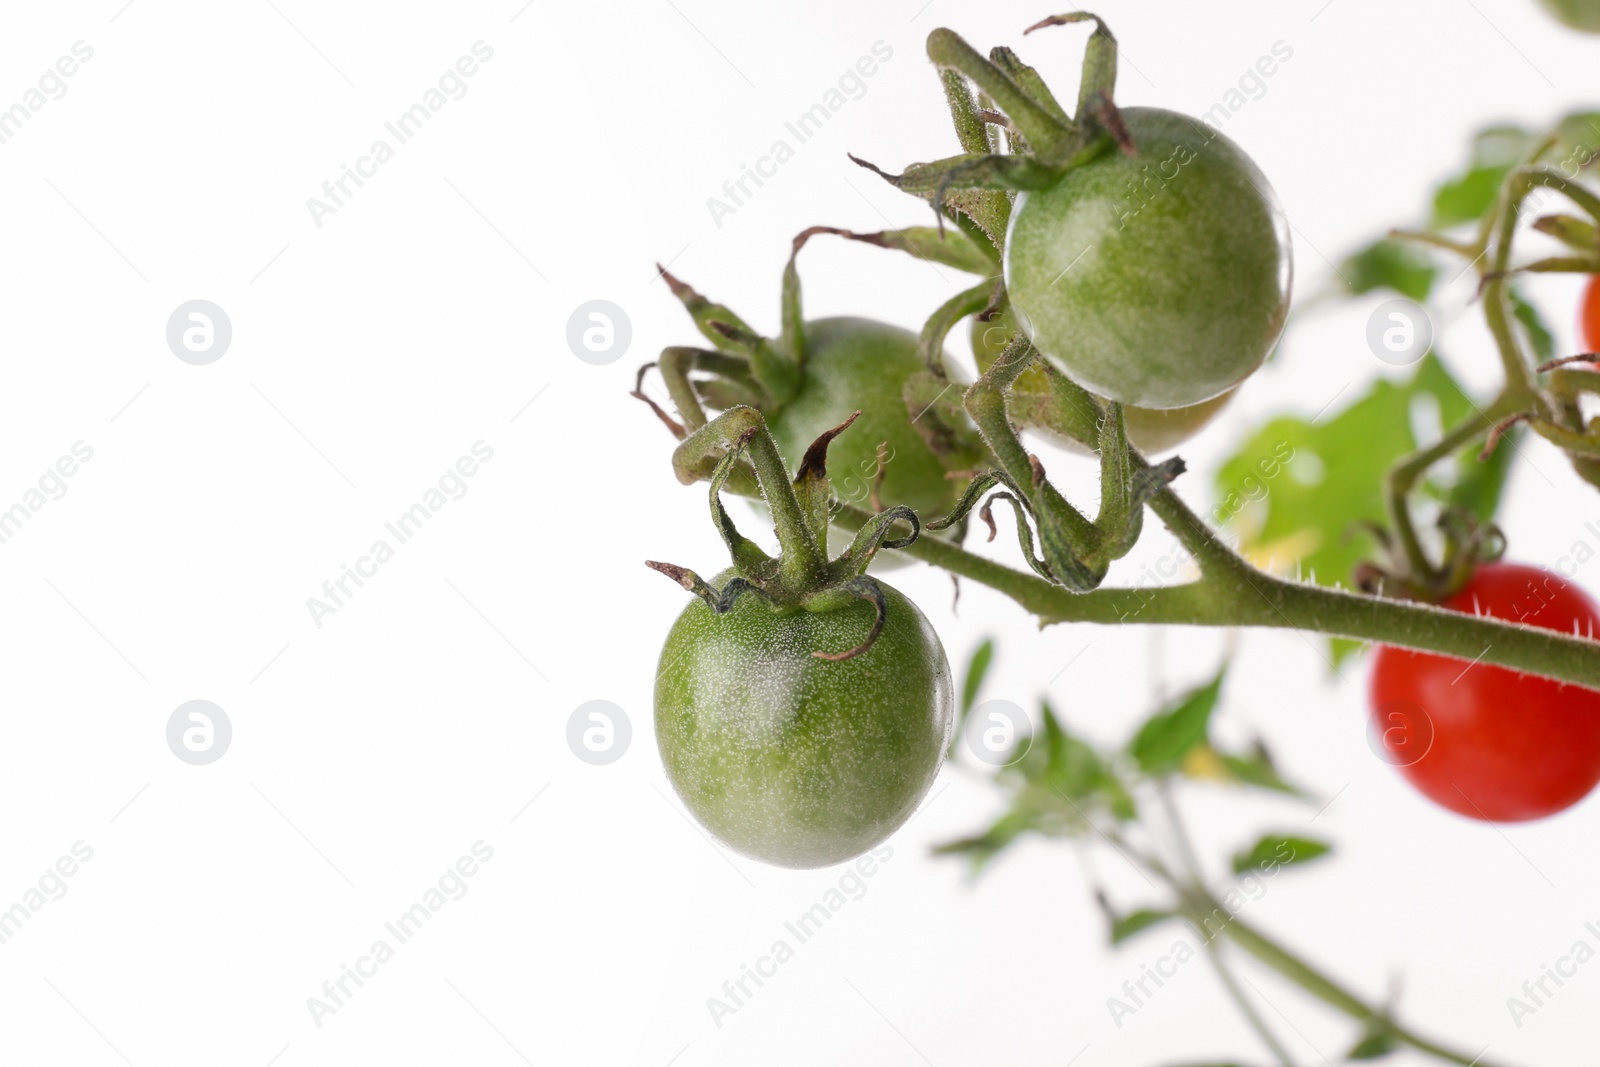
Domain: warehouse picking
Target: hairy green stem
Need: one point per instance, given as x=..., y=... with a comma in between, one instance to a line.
x=1235, y=594
x=1402, y=478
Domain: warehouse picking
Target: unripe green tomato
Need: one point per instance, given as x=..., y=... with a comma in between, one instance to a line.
x=1151, y=430
x=861, y=365
x=1159, y=280
x=1579, y=14
x=794, y=760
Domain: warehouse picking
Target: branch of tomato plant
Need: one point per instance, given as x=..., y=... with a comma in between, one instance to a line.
x=1231, y=592
x=1521, y=394
x=1402, y=477
x=1219, y=963
x=1202, y=910
x=1313, y=981
x=1184, y=846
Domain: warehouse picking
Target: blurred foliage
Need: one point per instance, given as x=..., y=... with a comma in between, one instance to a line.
x=1278, y=850
x=1319, y=520
x=1057, y=784
x=1300, y=490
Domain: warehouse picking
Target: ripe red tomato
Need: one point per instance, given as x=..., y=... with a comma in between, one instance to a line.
x=1589, y=322
x=1483, y=741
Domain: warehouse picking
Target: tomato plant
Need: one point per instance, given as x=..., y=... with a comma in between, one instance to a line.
x=1159, y=279
x=792, y=759
x=802, y=707
x=815, y=374
x=1494, y=745
x=1132, y=270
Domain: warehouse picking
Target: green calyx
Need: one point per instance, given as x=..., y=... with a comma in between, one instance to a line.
x=815, y=373
x=736, y=449
x=1015, y=136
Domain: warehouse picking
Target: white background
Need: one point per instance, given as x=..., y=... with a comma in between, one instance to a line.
x=372, y=351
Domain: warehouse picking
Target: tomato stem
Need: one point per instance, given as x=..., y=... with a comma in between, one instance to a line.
x=1402, y=477
x=1233, y=593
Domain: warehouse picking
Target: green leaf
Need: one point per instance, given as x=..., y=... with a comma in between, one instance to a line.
x=1278, y=850
x=1389, y=264
x=981, y=850
x=1070, y=768
x=1468, y=196
x=1343, y=648
x=971, y=683
x=1256, y=768
x=1297, y=490
x=1482, y=483
x=1576, y=136
x=977, y=667
x=1126, y=926
x=1167, y=736
x=1375, y=1043
x=1533, y=327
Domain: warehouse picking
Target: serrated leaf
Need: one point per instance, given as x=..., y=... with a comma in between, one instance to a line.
x=1297, y=490
x=1279, y=850
x=1166, y=737
x=1126, y=926
x=1389, y=265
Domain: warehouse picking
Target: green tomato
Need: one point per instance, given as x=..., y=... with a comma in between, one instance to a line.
x=795, y=760
x=1151, y=430
x=1578, y=14
x=859, y=365
x=1159, y=280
